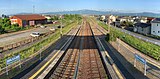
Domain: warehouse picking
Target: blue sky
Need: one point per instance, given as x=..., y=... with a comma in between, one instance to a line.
x=19, y=6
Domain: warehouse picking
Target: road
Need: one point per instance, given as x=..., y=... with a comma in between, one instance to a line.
x=139, y=36
x=16, y=37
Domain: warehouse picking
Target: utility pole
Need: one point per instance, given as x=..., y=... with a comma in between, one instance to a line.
x=61, y=26
x=77, y=18
x=109, y=20
x=33, y=9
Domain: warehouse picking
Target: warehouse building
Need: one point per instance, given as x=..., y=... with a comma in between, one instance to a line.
x=30, y=19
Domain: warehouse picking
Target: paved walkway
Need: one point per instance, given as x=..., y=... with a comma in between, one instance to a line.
x=153, y=70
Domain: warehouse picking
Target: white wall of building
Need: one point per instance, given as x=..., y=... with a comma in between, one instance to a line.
x=103, y=17
x=112, y=18
x=155, y=29
x=13, y=21
x=47, y=17
x=143, y=21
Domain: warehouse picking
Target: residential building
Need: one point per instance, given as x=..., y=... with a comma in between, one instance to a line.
x=103, y=17
x=30, y=19
x=126, y=19
x=150, y=19
x=155, y=27
x=143, y=20
x=48, y=17
x=142, y=28
x=117, y=24
x=110, y=19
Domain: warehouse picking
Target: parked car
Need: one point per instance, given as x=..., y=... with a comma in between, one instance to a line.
x=35, y=34
x=43, y=26
x=52, y=29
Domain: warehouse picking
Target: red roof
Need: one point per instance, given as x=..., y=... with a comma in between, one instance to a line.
x=150, y=18
x=30, y=17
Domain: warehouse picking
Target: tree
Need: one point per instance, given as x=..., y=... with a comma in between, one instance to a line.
x=1, y=30
x=127, y=24
x=5, y=23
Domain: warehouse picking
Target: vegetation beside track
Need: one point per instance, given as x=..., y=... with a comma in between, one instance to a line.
x=147, y=48
x=36, y=47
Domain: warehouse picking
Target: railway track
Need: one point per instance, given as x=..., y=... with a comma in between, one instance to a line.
x=90, y=63
x=82, y=59
x=112, y=69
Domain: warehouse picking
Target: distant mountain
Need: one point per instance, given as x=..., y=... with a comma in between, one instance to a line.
x=20, y=14
x=95, y=12
x=91, y=12
x=149, y=14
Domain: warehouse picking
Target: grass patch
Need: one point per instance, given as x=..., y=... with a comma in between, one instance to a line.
x=147, y=48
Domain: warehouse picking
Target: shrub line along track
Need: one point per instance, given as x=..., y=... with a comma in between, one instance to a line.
x=81, y=60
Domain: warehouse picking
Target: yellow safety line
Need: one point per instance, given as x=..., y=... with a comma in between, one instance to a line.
x=117, y=71
x=33, y=76
x=114, y=67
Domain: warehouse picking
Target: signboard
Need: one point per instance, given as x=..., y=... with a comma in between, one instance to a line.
x=13, y=59
x=142, y=60
x=139, y=58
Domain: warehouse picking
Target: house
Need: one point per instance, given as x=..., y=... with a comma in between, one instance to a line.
x=110, y=19
x=142, y=28
x=150, y=19
x=140, y=20
x=102, y=18
x=117, y=24
x=155, y=27
x=126, y=19
x=143, y=20
x=30, y=19
x=47, y=16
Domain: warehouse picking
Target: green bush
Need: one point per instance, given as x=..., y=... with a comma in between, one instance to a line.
x=147, y=48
